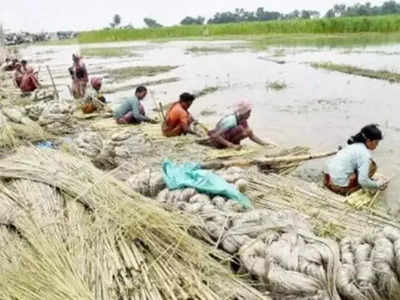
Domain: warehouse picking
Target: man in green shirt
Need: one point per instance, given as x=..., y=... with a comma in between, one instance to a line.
x=131, y=110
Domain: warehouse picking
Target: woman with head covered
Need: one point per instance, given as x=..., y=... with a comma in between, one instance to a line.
x=233, y=128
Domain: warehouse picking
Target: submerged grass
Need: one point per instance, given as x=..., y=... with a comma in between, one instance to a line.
x=376, y=74
x=140, y=71
x=207, y=90
x=111, y=90
x=107, y=52
x=203, y=50
x=276, y=85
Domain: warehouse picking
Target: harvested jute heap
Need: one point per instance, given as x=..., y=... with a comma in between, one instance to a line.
x=70, y=231
x=281, y=247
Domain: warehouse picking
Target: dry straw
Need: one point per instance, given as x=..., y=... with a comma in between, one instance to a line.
x=110, y=242
x=13, y=134
x=327, y=210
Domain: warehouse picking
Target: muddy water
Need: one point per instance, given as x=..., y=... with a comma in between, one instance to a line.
x=318, y=108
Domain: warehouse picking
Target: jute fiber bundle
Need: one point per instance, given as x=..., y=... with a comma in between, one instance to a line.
x=370, y=266
x=278, y=247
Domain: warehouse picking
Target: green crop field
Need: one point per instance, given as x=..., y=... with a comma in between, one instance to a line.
x=379, y=24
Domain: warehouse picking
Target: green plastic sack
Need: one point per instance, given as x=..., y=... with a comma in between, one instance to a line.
x=190, y=175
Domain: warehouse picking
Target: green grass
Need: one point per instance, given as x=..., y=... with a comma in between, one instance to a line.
x=207, y=91
x=276, y=85
x=337, y=40
x=141, y=71
x=381, y=24
x=111, y=90
x=376, y=74
x=107, y=52
x=200, y=50
x=208, y=112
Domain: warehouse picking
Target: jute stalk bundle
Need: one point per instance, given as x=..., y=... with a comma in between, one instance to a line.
x=121, y=245
x=322, y=206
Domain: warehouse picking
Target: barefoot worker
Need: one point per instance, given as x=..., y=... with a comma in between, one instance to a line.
x=29, y=79
x=94, y=99
x=131, y=110
x=79, y=77
x=178, y=120
x=352, y=168
x=232, y=129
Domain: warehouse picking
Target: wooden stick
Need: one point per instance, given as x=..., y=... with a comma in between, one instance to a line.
x=52, y=82
x=294, y=158
x=155, y=105
x=273, y=160
x=161, y=110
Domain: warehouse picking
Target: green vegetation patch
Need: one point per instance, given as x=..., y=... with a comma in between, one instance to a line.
x=201, y=50
x=207, y=112
x=276, y=85
x=207, y=91
x=107, y=52
x=140, y=71
x=380, y=74
x=111, y=90
x=376, y=24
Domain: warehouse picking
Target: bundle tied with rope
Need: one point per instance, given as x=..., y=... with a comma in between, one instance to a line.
x=279, y=248
x=370, y=266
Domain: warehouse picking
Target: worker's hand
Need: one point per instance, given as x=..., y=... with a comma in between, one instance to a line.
x=237, y=147
x=383, y=184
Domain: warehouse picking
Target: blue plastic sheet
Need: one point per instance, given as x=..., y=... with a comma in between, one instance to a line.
x=190, y=175
x=45, y=144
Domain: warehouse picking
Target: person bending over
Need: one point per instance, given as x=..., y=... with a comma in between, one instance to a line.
x=94, y=100
x=29, y=79
x=131, y=110
x=178, y=120
x=233, y=128
x=352, y=168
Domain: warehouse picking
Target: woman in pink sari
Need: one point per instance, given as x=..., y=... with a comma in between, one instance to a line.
x=29, y=79
x=79, y=77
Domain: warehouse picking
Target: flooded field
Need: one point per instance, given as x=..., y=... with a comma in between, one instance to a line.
x=294, y=103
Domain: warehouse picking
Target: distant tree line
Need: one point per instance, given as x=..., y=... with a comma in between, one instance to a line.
x=341, y=10
x=242, y=15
